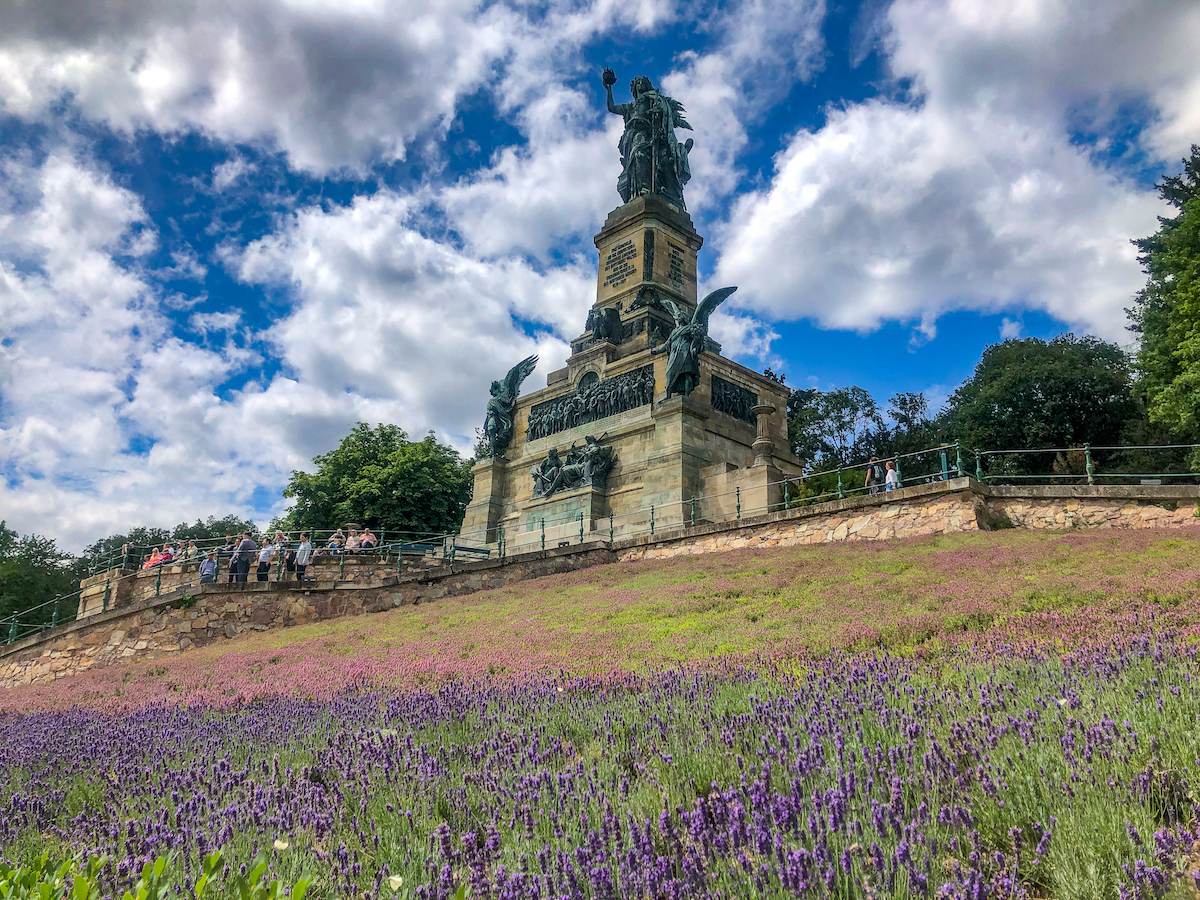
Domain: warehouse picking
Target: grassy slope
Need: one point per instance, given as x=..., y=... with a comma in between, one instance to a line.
x=1064, y=586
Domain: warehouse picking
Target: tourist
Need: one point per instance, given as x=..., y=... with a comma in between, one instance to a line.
x=875, y=476
x=154, y=559
x=353, y=542
x=264, y=560
x=893, y=477
x=289, y=559
x=304, y=554
x=208, y=568
x=245, y=552
x=367, y=540
x=192, y=551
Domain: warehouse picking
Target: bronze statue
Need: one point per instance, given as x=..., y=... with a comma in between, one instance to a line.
x=686, y=342
x=652, y=160
x=498, y=424
x=584, y=466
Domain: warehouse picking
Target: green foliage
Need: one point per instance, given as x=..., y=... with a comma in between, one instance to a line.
x=1029, y=393
x=41, y=879
x=825, y=427
x=379, y=478
x=32, y=571
x=1166, y=312
x=97, y=555
x=44, y=880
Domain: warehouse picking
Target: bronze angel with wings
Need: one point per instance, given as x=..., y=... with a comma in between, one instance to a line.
x=498, y=424
x=686, y=342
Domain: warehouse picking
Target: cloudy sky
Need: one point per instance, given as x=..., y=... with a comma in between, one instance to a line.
x=229, y=229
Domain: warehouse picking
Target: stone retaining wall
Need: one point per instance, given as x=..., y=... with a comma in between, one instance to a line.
x=196, y=615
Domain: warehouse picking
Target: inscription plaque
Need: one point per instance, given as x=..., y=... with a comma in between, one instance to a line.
x=675, y=257
x=619, y=266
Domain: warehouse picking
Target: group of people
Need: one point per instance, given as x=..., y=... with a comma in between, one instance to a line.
x=881, y=476
x=242, y=553
x=354, y=542
x=167, y=553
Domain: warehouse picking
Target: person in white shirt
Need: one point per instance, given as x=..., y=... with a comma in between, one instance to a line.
x=264, y=561
x=893, y=477
x=304, y=554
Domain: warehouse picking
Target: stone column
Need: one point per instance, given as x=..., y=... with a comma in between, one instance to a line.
x=764, y=447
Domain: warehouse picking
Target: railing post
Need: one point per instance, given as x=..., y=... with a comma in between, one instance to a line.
x=279, y=565
x=958, y=454
x=693, y=512
x=54, y=618
x=12, y=632
x=651, y=518
x=500, y=539
x=899, y=477
x=158, y=581
x=945, y=465
x=841, y=490
x=978, y=466
x=543, y=534
x=787, y=496
x=739, y=498
x=1087, y=456
x=107, y=593
x=453, y=547
x=610, y=528
x=342, y=564
x=581, y=526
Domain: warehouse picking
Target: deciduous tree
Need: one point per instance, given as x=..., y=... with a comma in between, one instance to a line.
x=379, y=478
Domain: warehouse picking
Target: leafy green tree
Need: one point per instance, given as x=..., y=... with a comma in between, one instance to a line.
x=1166, y=312
x=96, y=556
x=33, y=571
x=826, y=427
x=1029, y=393
x=378, y=477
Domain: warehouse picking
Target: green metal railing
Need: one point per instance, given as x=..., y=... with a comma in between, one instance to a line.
x=1078, y=465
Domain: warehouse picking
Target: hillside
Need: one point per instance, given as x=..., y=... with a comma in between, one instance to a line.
x=917, y=596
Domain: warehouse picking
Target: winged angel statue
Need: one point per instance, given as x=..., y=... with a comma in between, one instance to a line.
x=498, y=425
x=686, y=342
x=652, y=160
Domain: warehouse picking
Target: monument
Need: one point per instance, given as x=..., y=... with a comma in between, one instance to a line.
x=647, y=414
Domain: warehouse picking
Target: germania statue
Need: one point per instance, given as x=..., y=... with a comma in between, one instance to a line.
x=498, y=425
x=652, y=160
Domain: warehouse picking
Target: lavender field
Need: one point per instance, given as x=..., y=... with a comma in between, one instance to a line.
x=1003, y=773
x=1049, y=752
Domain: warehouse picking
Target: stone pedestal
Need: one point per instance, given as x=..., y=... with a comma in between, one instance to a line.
x=729, y=434
x=487, y=502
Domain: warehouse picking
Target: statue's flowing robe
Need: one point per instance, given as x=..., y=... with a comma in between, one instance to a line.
x=684, y=357
x=498, y=423
x=650, y=127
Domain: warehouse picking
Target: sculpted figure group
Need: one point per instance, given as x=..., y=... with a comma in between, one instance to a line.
x=598, y=401
x=583, y=466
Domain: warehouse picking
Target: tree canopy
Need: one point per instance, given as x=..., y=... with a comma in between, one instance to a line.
x=32, y=571
x=1166, y=312
x=379, y=478
x=1029, y=393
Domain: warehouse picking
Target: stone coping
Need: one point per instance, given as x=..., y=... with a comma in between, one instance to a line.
x=1142, y=492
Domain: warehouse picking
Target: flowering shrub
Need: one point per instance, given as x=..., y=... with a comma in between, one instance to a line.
x=917, y=596
x=994, y=771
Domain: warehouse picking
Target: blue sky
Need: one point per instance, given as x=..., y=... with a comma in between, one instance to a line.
x=230, y=230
